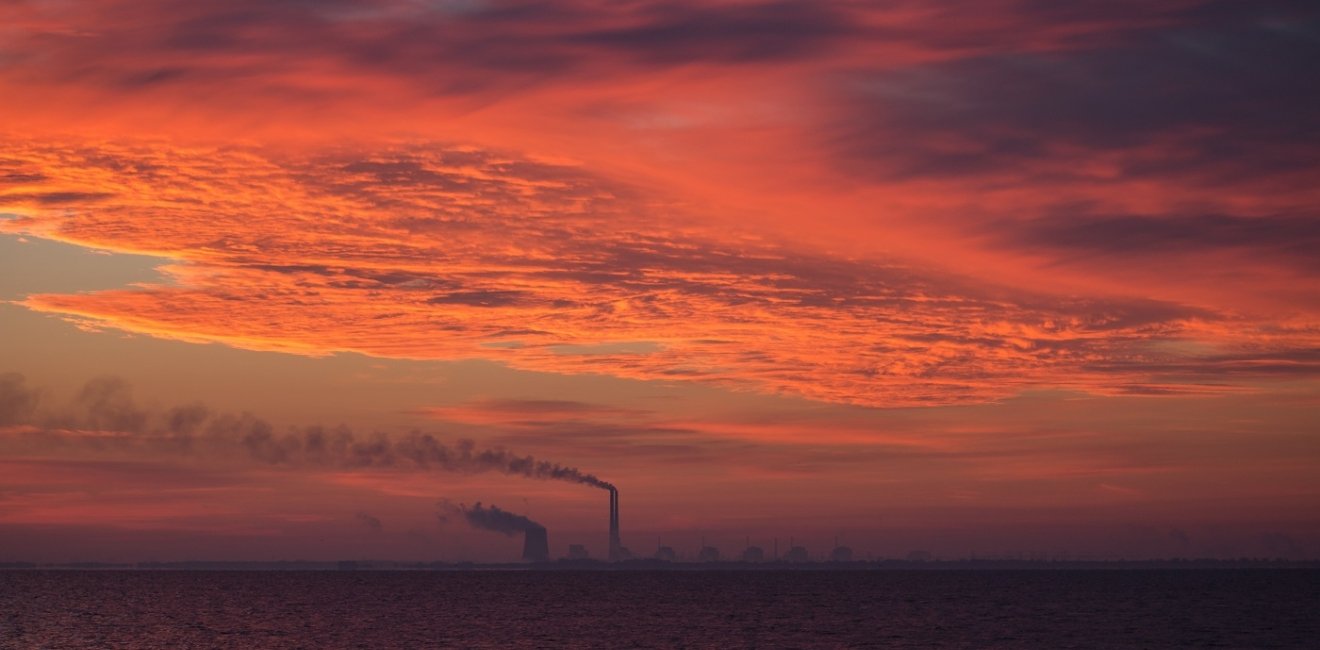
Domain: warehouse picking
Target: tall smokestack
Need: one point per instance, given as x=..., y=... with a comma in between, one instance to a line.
x=615, y=545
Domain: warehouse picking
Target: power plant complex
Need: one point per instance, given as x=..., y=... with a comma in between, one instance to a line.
x=536, y=543
x=536, y=546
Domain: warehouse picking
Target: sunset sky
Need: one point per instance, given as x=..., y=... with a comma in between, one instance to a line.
x=970, y=277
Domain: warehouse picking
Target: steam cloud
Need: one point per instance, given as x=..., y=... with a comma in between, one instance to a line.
x=489, y=518
x=103, y=419
x=373, y=524
x=17, y=402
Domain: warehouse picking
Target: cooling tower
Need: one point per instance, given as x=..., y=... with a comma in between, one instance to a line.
x=536, y=547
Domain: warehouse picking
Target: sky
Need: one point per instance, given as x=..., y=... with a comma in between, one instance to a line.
x=283, y=279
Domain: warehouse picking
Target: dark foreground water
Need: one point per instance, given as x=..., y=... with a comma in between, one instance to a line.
x=882, y=609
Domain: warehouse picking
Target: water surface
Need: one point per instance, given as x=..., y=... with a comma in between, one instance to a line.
x=624, y=609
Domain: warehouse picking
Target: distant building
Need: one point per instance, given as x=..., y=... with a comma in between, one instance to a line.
x=709, y=554
x=918, y=556
x=578, y=552
x=797, y=554
x=841, y=554
x=753, y=554
x=666, y=553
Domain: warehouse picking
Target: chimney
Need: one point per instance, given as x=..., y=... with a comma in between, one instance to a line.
x=536, y=548
x=615, y=545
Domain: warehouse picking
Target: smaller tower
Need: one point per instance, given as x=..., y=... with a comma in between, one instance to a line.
x=536, y=545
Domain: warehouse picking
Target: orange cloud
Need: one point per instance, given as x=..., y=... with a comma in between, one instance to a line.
x=442, y=252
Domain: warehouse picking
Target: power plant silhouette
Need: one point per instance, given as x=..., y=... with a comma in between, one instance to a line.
x=536, y=545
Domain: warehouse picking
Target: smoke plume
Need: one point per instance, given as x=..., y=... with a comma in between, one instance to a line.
x=488, y=518
x=104, y=420
x=17, y=402
x=372, y=524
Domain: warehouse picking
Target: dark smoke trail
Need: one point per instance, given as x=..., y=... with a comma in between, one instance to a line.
x=316, y=446
x=106, y=406
x=489, y=518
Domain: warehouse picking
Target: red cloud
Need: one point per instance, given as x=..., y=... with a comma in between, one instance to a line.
x=439, y=252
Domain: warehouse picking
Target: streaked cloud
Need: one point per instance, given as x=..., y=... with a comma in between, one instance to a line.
x=436, y=252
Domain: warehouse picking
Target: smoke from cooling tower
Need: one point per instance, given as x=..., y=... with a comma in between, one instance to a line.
x=488, y=518
x=536, y=547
